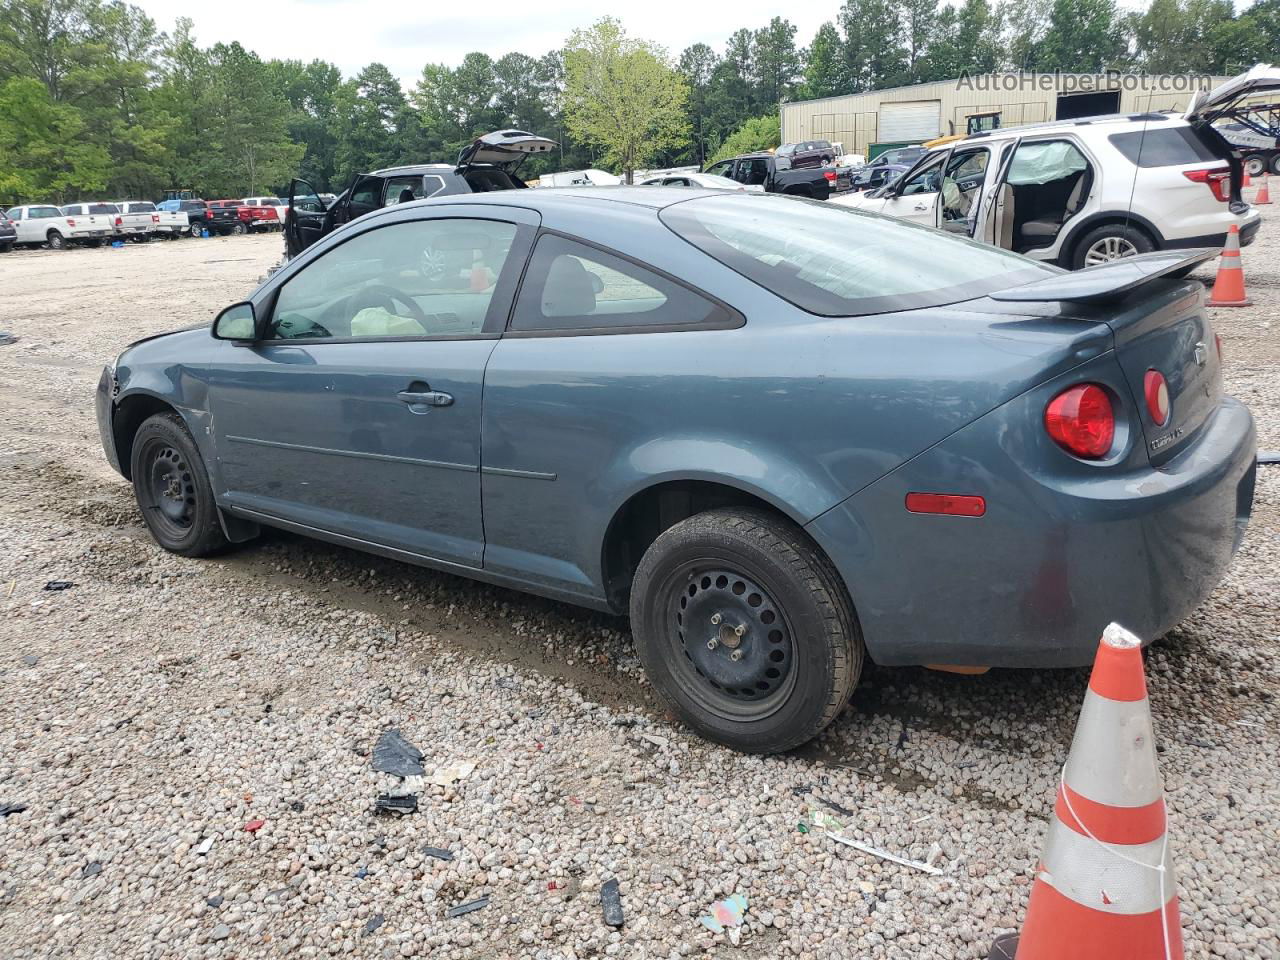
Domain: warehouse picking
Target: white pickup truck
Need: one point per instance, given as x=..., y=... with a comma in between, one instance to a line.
x=164, y=223
x=38, y=223
x=131, y=226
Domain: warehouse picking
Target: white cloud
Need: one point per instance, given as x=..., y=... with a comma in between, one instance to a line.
x=407, y=36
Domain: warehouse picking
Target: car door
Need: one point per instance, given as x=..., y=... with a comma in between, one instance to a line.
x=356, y=410
x=915, y=195
x=964, y=176
x=305, y=221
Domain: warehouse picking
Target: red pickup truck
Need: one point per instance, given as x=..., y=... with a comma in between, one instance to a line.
x=263, y=213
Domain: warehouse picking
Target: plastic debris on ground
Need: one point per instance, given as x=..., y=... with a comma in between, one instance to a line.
x=399, y=803
x=725, y=914
x=253, y=826
x=395, y=755
x=611, y=903
x=8, y=808
x=471, y=907
x=205, y=846
x=885, y=855
x=444, y=776
x=59, y=585
x=373, y=923
x=438, y=853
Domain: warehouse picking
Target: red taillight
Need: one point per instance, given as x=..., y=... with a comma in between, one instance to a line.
x=1156, y=390
x=119, y=222
x=1217, y=178
x=155, y=218
x=830, y=175
x=951, y=504
x=70, y=222
x=1081, y=421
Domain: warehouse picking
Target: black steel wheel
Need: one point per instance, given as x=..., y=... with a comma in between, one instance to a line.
x=172, y=488
x=745, y=629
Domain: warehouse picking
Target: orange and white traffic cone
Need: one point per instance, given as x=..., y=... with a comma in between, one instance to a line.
x=1105, y=887
x=1247, y=182
x=1228, y=285
x=1264, y=193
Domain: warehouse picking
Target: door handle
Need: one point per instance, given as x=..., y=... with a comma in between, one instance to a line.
x=922, y=206
x=425, y=398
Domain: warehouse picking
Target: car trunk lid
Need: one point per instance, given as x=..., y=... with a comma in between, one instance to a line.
x=1158, y=324
x=503, y=148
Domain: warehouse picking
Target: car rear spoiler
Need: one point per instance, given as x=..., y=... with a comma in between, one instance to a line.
x=1107, y=281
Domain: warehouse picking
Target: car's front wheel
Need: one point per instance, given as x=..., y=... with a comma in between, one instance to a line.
x=745, y=629
x=173, y=490
x=239, y=229
x=56, y=240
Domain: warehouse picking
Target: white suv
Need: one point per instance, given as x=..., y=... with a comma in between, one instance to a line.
x=1081, y=192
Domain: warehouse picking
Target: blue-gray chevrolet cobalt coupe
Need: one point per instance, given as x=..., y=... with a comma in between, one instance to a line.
x=782, y=436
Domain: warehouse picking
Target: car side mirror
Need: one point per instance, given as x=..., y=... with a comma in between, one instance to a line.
x=236, y=322
x=597, y=285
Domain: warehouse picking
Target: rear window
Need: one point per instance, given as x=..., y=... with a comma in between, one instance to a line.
x=103, y=208
x=192, y=205
x=836, y=262
x=1163, y=147
x=143, y=207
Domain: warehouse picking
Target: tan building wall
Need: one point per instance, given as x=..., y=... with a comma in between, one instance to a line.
x=1018, y=99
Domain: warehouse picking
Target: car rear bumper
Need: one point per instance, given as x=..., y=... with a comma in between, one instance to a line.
x=1248, y=231
x=1033, y=582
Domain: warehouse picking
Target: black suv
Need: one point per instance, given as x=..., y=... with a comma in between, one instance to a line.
x=808, y=153
x=489, y=163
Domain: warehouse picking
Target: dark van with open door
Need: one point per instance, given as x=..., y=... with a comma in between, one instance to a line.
x=488, y=163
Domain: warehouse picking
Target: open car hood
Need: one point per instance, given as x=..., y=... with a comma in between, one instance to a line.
x=1207, y=107
x=504, y=148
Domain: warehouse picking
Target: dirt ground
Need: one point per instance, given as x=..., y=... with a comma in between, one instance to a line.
x=160, y=703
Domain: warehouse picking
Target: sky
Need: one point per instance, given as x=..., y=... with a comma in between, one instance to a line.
x=405, y=36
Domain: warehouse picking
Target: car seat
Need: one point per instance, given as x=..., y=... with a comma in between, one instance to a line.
x=568, y=291
x=1044, y=229
x=406, y=195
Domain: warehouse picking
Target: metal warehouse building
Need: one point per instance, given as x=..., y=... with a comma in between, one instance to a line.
x=868, y=123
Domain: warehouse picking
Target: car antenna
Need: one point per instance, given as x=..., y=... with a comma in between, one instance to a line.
x=1137, y=167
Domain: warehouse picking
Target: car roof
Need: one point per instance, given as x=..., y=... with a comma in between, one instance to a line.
x=1109, y=122
x=416, y=168
x=562, y=198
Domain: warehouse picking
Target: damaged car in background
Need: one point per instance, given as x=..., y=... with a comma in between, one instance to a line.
x=1083, y=192
x=489, y=163
x=778, y=452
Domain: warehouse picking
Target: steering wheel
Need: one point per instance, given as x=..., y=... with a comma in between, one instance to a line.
x=382, y=295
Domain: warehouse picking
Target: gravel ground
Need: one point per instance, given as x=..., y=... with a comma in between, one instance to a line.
x=160, y=705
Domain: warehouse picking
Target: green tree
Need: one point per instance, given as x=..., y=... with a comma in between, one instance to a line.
x=697, y=65
x=621, y=95
x=775, y=61
x=919, y=28
x=1084, y=36
x=44, y=153
x=873, y=52
x=758, y=133
x=825, y=72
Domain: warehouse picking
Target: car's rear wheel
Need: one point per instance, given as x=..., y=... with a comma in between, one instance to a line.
x=239, y=229
x=195, y=229
x=1111, y=241
x=172, y=487
x=745, y=629
x=1275, y=163
x=56, y=240
x=1255, y=165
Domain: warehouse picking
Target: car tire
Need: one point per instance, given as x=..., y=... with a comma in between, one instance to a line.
x=1111, y=241
x=56, y=240
x=172, y=488
x=1275, y=163
x=745, y=629
x=6, y=247
x=1255, y=165
x=195, y=229
x=239, y=229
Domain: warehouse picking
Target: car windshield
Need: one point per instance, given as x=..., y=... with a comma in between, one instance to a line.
x=838, y=262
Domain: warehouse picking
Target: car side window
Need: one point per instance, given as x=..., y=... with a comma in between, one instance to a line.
x=573, y=286
x=722, y=169
x=926, y=180
x=403, y=189
x=422, y=278
x=366, y=193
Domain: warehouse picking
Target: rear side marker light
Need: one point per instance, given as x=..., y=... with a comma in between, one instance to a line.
x=1156, y=391
x=1081, y=421
x=950, y=504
